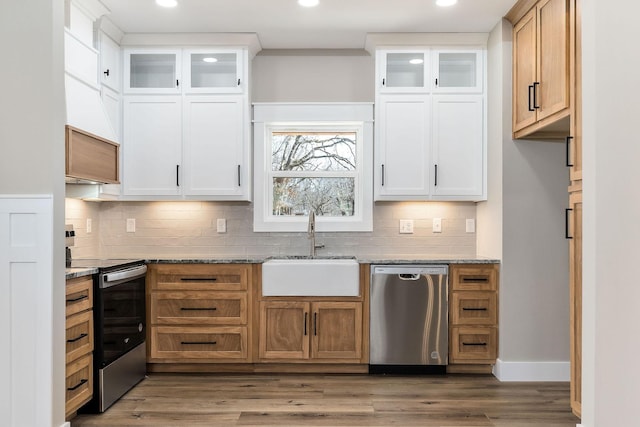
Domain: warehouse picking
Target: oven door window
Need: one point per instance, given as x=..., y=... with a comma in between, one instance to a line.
x=123, y=319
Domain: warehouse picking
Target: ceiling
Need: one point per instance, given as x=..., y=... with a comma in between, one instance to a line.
x=282, y=24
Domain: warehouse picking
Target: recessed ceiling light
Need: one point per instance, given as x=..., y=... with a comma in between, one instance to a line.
x=210, y=59
x=416, y=61
x=308, y=3
x=445, y=3
x=167, y=3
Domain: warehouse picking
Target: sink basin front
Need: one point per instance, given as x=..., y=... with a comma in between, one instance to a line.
x=311, y=277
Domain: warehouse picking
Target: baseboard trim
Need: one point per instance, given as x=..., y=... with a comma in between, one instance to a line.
x=532, y=371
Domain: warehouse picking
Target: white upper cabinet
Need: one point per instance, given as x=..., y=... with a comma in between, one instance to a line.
x=403, y=71
x=402, y=147
x=214, y=152
x=458, y=148
x=213, y=70
x=430, y=124
x=152, y=71
x=110, y=68
x=458, y=71
x=152, y=147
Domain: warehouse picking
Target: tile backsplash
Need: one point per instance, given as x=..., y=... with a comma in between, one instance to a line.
x=188, y=230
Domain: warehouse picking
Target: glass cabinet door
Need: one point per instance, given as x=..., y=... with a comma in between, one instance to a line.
x=213, y=71
x=404, y=71
x=458, y=71
x=152, y=71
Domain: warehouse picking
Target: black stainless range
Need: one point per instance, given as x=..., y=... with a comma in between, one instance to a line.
x=119, y=357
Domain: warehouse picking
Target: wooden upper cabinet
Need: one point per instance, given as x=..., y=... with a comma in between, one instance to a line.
x=90, y=158
x=541, y=71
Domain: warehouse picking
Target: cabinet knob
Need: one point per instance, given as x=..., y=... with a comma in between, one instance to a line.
x=238, y=82
x=106, y=73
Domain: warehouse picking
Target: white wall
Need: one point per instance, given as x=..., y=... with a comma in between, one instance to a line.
x=313, y=76
x=32, y=160
x=524, y=221
x=611, y=373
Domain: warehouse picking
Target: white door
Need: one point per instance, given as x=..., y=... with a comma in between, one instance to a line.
x=402, y=147
x=458, y=145
x=458, y=71
x=152, y=145
x=214, y=146
x=213, y=71
x=152, y=71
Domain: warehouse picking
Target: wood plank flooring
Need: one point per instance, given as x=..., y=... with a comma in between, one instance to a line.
x=337, y=400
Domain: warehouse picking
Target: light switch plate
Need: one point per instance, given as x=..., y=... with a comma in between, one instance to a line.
x=221, y=225
x=131, y=225
x=89, y=224
x=437, y=225
x=406, y=226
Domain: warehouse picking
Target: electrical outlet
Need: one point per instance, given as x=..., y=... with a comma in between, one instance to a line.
x=437, y=225
x=131, y=225
x=406, y=226
x=89, y=224
x=222, y=225
x=471, y=225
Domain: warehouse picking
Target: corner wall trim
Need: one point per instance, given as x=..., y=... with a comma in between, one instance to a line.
x=531, y=371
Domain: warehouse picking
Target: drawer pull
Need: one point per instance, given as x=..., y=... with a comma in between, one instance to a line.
x=198, y=279
x=80, y=298
x=77, y=386
x=477, y=344
x=78, y=338
x=198, y=342
x=474, y=309
x=198, y=308
x=475, y=279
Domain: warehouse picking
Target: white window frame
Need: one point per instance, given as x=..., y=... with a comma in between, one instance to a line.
x=277, y=117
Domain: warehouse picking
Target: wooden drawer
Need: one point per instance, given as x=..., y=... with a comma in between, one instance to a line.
x=79, y=335
x=79, y=295
x=173, y=342
x=201, y=308
x=79, y=384
x=476, y=277
x=474, y=308
x=473, y=345
x=199, y=277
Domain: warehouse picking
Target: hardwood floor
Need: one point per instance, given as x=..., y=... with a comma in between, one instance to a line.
x=337, y=400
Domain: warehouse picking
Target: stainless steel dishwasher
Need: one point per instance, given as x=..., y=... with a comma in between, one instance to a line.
x=409, y=319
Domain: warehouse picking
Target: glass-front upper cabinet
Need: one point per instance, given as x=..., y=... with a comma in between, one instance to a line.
x=458, y=71
x=403, y=70
x=213, y=70
x=152, y=71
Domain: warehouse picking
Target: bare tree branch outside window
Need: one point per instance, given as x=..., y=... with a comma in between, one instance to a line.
x=313, y=171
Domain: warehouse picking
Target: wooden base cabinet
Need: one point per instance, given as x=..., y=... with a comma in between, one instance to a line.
x=199, y=313
x=323, y=331
x=575, y=295
x=79, y=344
x=473, y=314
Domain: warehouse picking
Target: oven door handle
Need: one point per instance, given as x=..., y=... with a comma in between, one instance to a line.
x=117, y=277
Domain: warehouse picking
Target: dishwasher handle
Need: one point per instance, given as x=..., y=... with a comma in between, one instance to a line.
x=409, y=277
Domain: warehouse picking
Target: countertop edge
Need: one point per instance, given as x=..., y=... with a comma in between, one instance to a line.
x=74, y=273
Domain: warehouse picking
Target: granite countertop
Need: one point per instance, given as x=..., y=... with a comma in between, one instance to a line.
x=72, y=273
x=386, y=259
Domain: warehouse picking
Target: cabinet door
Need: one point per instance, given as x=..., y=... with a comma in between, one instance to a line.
x=458, y=146
x=110, y=69
x=152, y=144
x=152, y=71
x=337, y=330
x=402, y=147
x=575, y=295
x=284, y=330
x=524, y=71
x=213, y=71
x=214, y=146
x=403, y=71
x=458, y=71
x=553, y=57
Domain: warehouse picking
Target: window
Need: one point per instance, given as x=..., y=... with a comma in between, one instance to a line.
x=312, y=165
